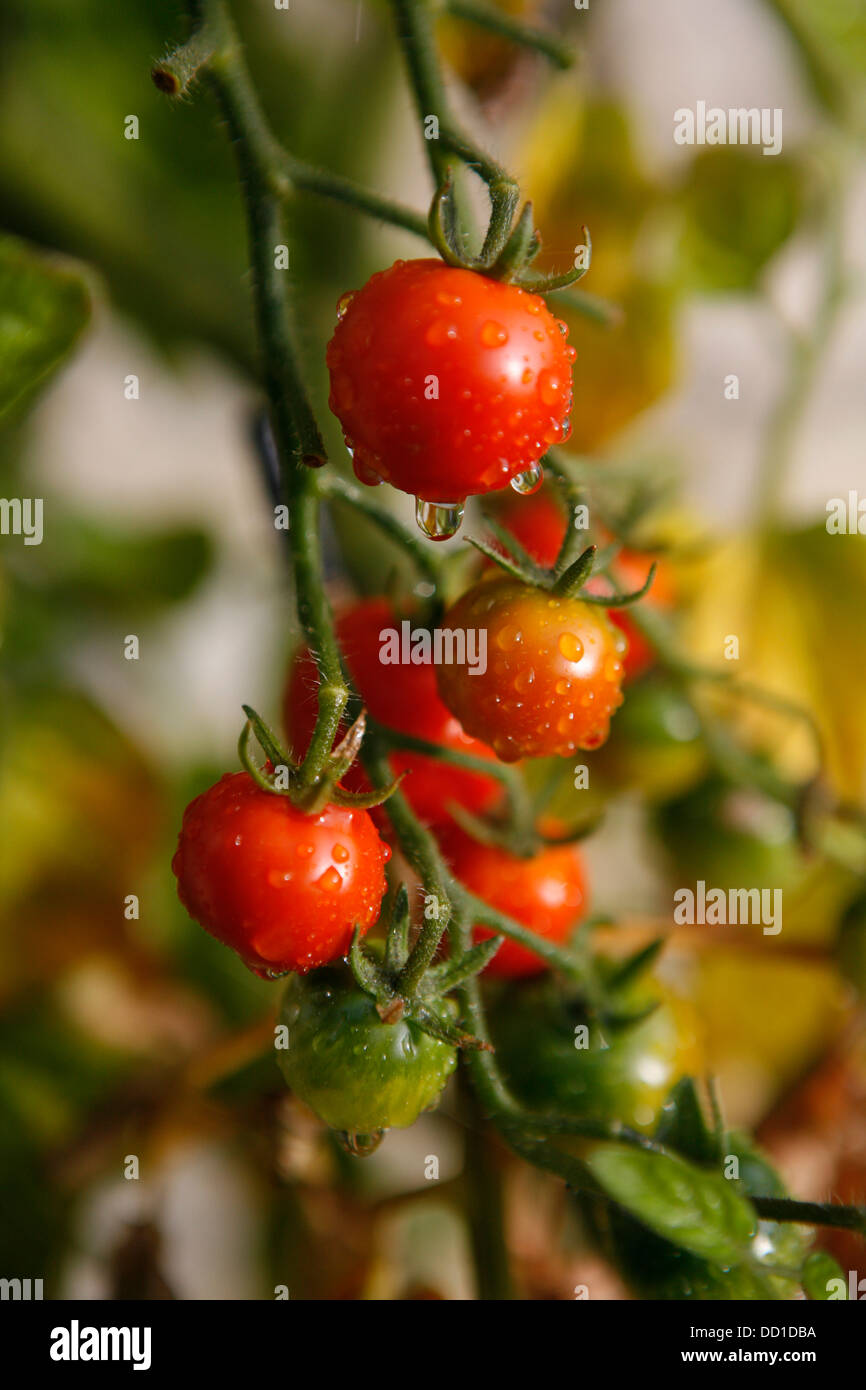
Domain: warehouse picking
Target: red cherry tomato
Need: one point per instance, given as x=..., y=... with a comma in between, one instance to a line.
x=547, y=893
x=539, y=523
x=403, y=697
x=283, y=889
x=553, y=675
x=447, y=383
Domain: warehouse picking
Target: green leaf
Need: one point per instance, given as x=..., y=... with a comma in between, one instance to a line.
x=820, y=1270
x=698, y=1211
x=43, y=308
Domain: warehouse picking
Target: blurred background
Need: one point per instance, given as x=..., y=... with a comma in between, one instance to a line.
x=126, y=1032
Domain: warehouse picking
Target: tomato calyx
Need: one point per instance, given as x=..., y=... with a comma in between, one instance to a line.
x=281, y=774
x=568, y=582
x=510, y=245
x=382, y=975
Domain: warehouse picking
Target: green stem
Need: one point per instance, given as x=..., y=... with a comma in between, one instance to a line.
x=307, y=178
x=811, y=1213
x=485, y=1212
x=526, y=35
x=296, y=434
x=213, y=44
x=426, y=561
x=415, y=30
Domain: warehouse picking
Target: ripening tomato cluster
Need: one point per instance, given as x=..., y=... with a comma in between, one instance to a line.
x=447, y=384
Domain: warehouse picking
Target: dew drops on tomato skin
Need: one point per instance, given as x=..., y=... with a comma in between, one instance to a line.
x=551, y=387
x=343, y=303
x=440, y=333
x=493, y=334
x=330, y=881
x=571, y=646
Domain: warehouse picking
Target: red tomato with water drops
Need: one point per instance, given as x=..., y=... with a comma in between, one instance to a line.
x=403, y=697
x=547, y=893
x=283, y=889
x=553, y=676
x=448, y=383
x=539, y=523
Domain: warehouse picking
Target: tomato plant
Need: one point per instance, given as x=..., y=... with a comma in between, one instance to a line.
x=450, y=378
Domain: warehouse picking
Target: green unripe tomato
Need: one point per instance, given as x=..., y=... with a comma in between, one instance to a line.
x=625, y=1076
x=655, y=743
x=731, y=837
x=358, y=1074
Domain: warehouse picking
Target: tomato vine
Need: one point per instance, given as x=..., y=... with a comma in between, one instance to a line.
x=269, y=176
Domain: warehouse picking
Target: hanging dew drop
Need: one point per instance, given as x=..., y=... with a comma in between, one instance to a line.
x=438, y=520
x=529, y=481
x=343, y=303
x=360, y=1145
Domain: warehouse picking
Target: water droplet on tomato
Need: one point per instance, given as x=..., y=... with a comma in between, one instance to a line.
x=508, y=638
x=493, y=334
x=278, y=879
x=330, y=880
x=439, y=332
x=529, y=481
x=524, y=680
x=360, y=1145
x=570, y=646
x=343, y=303
x=550, y=387
x=340, y=854
x=438, y=520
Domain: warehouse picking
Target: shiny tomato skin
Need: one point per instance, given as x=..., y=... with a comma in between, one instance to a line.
x=547, y=893
x=358, y=1074
x=553, y=675
x=283, y=889
x=447, y=383
x=403, y=697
